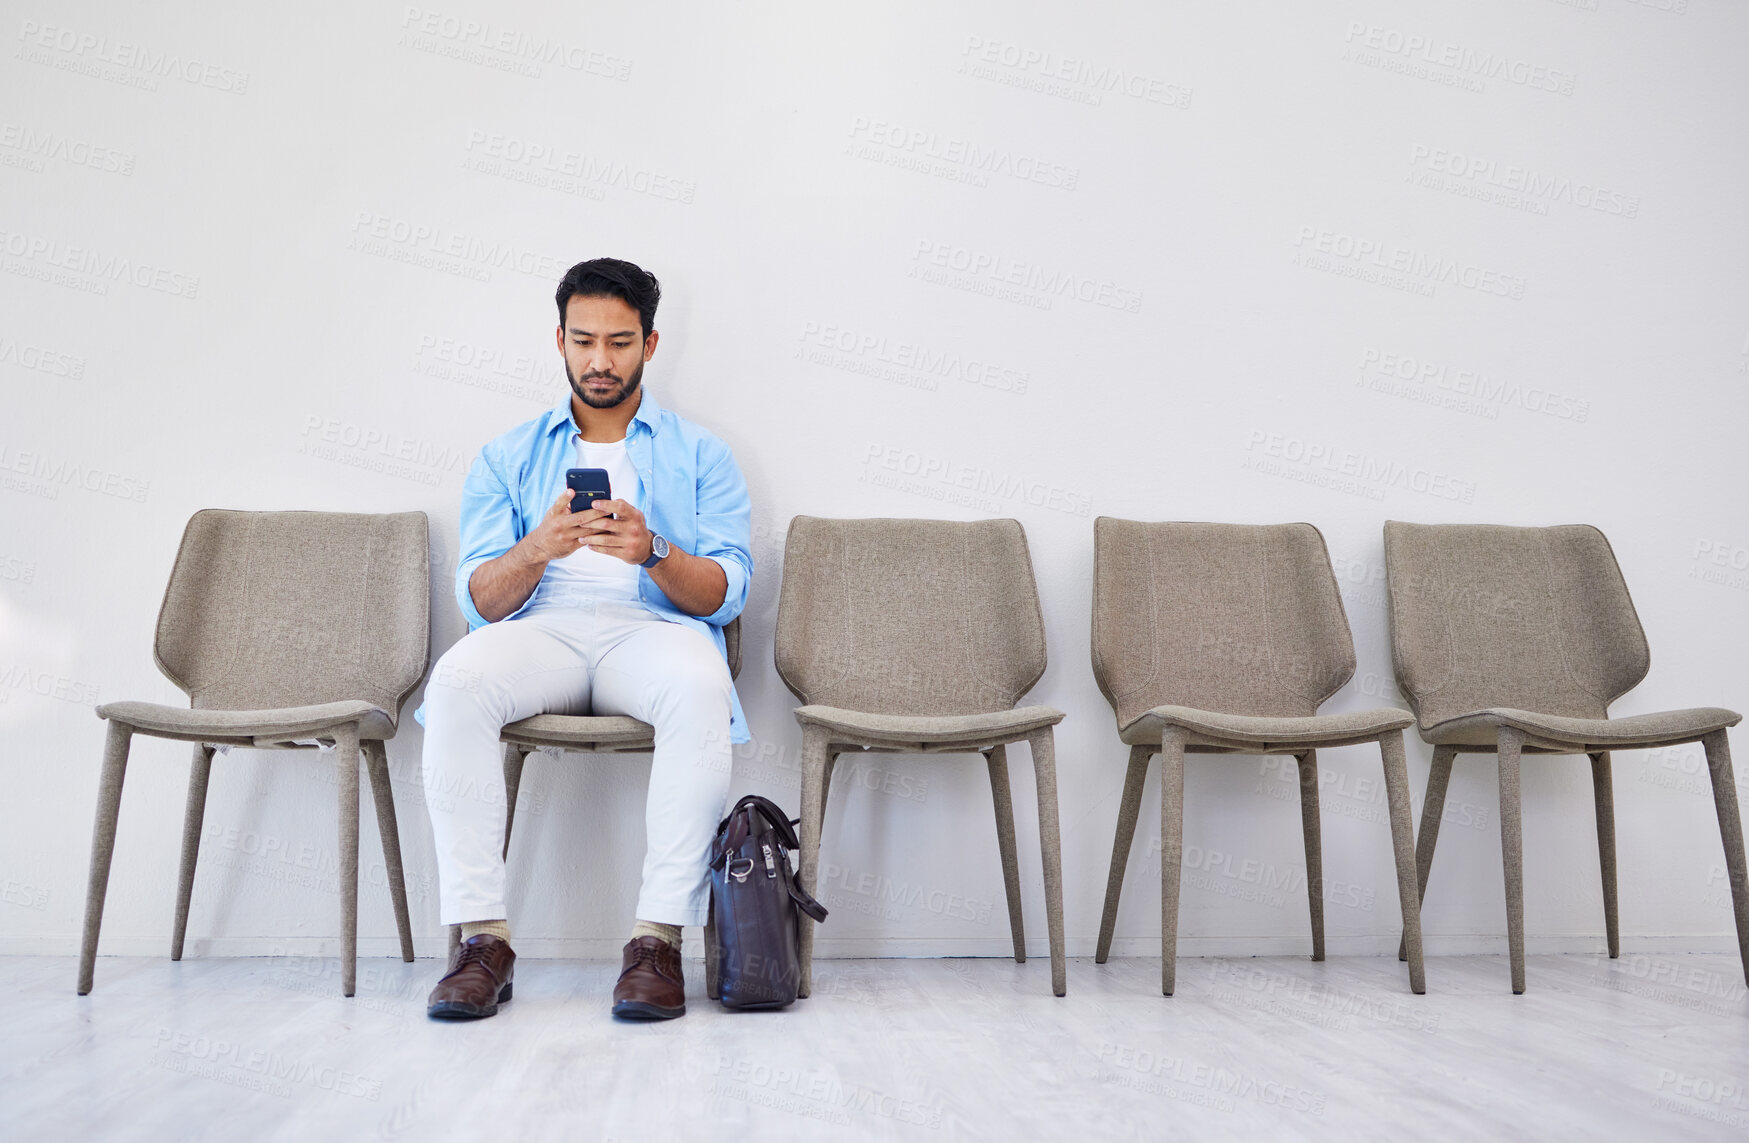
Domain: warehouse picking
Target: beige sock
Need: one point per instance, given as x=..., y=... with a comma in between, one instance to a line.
x=499, y=929
x=669, y=933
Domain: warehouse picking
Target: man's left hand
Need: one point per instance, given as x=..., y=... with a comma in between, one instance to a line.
x=626, y=538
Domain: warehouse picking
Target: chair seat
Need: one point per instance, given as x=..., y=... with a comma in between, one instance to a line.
x=1267, y=734
x=899, y=731
x=251, y=727
x=589, y=734
x=1667, y=727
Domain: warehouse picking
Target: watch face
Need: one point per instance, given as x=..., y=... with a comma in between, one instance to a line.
x=659, y=547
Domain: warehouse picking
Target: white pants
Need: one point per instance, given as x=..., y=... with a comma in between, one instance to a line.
x=580, y=655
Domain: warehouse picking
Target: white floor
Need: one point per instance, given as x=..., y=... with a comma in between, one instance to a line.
x=1648, y=1047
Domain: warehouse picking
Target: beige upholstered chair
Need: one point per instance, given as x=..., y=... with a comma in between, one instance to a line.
x=1515, y=641
x=1225, y=639
x=918, y=637
x=586, y=734
x=281, y=626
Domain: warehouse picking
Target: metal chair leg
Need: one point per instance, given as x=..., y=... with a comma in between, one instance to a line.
x=376, y=759
x=1309, y=824
x=115, y=765
x=1603, y=796
x=1171, y=851
x=1128, y=810
x=193, y=815
x=514, y=757
x=1403, y=847
x=1512, y=849
x=1050, y=843
x=815, y=764
x=346, y=756
x=997, y=762
x=712, y=951
x=1432, y=809
x=1718, y=760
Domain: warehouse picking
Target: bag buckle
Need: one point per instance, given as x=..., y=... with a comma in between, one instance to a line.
x=740, y=875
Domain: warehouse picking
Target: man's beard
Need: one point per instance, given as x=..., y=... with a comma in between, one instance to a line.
x=626, y=388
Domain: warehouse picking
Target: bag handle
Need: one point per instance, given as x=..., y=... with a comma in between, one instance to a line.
x=779, y=821
x=804, y=902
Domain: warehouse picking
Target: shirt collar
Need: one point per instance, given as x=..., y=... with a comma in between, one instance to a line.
x=649, y=412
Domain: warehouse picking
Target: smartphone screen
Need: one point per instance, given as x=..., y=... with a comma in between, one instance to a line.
x=588, y=485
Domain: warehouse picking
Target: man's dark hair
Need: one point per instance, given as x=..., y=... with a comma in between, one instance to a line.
x=613, y=278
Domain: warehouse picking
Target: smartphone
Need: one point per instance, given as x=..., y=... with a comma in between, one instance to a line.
x=588, y=484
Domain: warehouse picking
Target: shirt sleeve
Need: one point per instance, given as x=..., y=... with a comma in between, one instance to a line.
x=489, y=528
x=725, y=527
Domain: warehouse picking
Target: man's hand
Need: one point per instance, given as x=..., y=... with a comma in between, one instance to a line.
x=560, y=532
x=692, y=583
x=625, y=538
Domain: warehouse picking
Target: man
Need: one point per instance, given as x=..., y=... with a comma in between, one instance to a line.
x=614, y=609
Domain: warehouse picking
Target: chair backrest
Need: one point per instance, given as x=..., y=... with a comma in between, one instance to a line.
x=278, y=609
x=1235, y=618
x=732, y=646
x=1489, y=616
x=918, y=617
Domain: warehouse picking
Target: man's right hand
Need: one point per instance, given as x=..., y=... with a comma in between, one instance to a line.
x=502, y=585
x=560, y=532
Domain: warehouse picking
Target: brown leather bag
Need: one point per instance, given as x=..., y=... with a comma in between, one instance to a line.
x=756, y=904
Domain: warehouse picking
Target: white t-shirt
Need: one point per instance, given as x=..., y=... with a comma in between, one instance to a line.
x=594, y=572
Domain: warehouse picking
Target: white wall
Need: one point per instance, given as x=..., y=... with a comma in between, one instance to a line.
x=231, y=240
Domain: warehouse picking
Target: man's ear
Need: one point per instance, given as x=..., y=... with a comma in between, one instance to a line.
x=561, y=338
x=649, y=345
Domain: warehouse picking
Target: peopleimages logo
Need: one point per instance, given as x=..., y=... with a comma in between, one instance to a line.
x=41, y=474
x=49, y=257
x=512, y=49
x=33, y=146
x=1532, y=184
x=133, y=64
x=864, y=351
x=944, y=478
x=890, y=141
x=1412, y=264
x=1421, y=373
x=1417, y=49
x=438, y=247
x=1058, y=74
x=1041, y=284
x=1356, y=466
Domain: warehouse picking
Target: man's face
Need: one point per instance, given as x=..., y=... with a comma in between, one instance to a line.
x=604, y=349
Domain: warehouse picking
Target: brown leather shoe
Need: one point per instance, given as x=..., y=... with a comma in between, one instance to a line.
x=650, y=985
x=477, y=982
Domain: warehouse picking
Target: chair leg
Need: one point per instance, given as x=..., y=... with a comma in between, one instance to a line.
x=346, y=753
x=115, y=765
x=514, y=757
x=1403, y=846
x=826, y=778
x=376, y=760
x=1050, y=843
x=1718, y=760
x=1128, y=810
x=997, y=762
x=711, y=949
x=815, y=764
x=1512, y=850
x=1432, y=809
x=1171, y=851
x=1308, y=763
x=192, y=816
x=1603, y=795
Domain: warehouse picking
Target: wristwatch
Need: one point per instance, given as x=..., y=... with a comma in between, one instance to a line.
x=658, y=551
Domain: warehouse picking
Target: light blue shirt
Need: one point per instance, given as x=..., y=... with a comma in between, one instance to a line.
x=693, y=495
